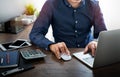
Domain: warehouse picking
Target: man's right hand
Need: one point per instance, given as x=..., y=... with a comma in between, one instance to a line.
x=59, y=48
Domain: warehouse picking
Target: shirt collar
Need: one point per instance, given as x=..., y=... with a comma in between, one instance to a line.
x=81, y=4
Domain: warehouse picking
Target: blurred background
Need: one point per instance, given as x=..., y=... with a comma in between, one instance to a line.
x=111, y=11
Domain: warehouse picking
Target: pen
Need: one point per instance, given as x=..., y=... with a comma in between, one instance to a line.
x=7, y=58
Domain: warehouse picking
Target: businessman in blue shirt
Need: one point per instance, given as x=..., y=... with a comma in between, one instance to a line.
x=71, y=22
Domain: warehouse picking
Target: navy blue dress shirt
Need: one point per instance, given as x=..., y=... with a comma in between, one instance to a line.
x=70, y=25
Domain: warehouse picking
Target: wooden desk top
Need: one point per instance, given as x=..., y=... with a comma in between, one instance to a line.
x=50, y=66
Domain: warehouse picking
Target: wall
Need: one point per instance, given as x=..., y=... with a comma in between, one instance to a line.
x=111, y=11
x=10, y=9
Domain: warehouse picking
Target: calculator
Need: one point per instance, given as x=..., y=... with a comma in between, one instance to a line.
x=32, y=54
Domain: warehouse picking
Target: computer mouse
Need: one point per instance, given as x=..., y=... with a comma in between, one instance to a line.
x=66, y=57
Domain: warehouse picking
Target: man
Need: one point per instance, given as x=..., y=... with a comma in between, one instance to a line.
x=71, y=22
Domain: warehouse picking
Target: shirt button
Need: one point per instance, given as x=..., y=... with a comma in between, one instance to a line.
x=75, y=31
x=74, y=10
x=78, y=45
x=76, y=21
x=69, y=5
x=46, y=48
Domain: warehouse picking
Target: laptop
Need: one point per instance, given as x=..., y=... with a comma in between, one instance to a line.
x=107, y=52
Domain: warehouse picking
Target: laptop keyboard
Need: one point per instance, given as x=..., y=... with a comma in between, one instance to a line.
x=89, y=60
x=86, y=58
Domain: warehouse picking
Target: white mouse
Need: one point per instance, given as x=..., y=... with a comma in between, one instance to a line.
x=66, y=57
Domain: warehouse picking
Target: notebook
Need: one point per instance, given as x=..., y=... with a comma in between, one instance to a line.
x=9, y=59
x=107, y=52
x=23, y=66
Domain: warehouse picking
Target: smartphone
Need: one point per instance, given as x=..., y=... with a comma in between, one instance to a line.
x=5, y=46
x=19, y=43
x=26, y=44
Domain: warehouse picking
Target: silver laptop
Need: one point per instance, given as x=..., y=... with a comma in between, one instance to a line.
x=107, y=52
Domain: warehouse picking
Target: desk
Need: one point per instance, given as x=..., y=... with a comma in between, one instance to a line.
x=50, y=66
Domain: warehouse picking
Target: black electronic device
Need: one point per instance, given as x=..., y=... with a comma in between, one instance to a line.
x=19, y=43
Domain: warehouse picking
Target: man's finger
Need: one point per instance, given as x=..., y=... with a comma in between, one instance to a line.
x=86, y=49
x=93, y=49
x=66, y=49
x=57, y=53
x=93, y=52
x=61, y=48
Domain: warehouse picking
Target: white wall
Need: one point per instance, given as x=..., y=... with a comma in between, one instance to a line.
x=10, y=9
x=111, y=11
x=13, y=8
